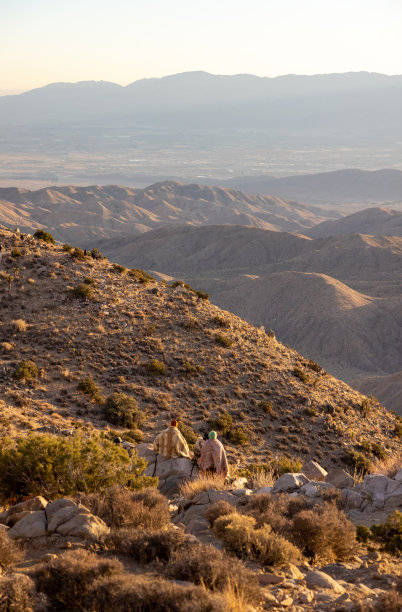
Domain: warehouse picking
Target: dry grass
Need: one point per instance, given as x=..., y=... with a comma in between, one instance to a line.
x=10, y=552
x=19, y=325
x=389, y=466
x=149, y=546
x=119, y=507
x=17, y=593
x=190, y=488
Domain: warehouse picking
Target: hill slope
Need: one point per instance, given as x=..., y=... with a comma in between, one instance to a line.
x=113, y=337
x=373, y=221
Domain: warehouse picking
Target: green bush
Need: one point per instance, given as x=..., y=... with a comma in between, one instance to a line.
x=45, y=236
x=83, y=291
x=283, y=465
x=223, y=423
x=141, y=276
x=389, y=533
x=122, y=410
x=201, y=295
x=67, y=247
x=78, y=254
x=43, y=464
x=357, y=461
x=238, y=436
x=187, y=432
x=88, y=387
x=223, y=341
x=267, y=406
x=154, y=366
x=191, y=370
x=118, y=268
x=25, y=370
x=301, y=375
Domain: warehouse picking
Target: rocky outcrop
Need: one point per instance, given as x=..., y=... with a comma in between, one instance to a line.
x=36, y=518
x=289, y=482
x=170, y=472
x=191, y=512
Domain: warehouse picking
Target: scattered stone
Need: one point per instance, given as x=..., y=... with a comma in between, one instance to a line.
x=293, y=572
x=263, y=490
x=306, y=596
x=197, y=524
x=287, y=602
x=321, y=580
x=269, y=579
x=339, y=478
x=48, y=557
x=289, y=482
x=314, y=471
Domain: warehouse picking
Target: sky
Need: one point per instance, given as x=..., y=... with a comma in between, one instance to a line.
x=46, y=41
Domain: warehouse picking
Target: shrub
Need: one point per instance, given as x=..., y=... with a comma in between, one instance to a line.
x=378, y=451
x=389, y=533
x=218, y=509
x=119, y=507
x=78, y=254
x=283, y=465
x=312, y=365
x=398, y=430
x=10, y=552
x=19, y=325
x=187, y=432
x=25, y=370
x=223, y=341
x=207, y=566
x=44, y=236
x=122, y=410
x=242, y=538
x=190, y=488
x=17, y=593
x=67, y=579
x=191, y=370
x=223, y=423
x=52, y=466
x=266, y=406
x=118, y=268
x=67, y=247
x=201, y=295
x=96, y=254
x=238, y=436
x=301, y=375
x=221, y=321
x=15, y=253
x=357, y=461
x=148, y=546
x=366, y=406
x=324, y=533
x=83, y=291
x=155, y=367
x=139, y=593
x=141, y=276
x=88, y=387
x=89, y=281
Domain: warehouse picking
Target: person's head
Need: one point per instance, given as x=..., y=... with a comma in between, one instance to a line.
x=173, y=423
x=205, y=436
x=117, y=440
x=212, y=435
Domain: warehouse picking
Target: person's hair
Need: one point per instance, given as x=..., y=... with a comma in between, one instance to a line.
x=173, y=423
x=212, y=435
x=205, y=436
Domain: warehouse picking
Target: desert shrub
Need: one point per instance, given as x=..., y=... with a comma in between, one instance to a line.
x=17, y=593
x=88, y=387
x=67, y=579
x=218, y=509
x=139, y=593
x=301, y=375
x=67, y=247
x=266, y=406
x=258, y=475
x=223, y=423
x=156, y=367
x=388, y=466
x=78, y=254
x=15, y=253
x=118, y=268
x=83, y=291
x=191, y=370
x=398, y=429
x=283, y=465
x=133, y=435
x=223, y=341
x=201, y=295
x=238, y=436
x=241, y=537
x=312, y=365
x=190, y=488
x=44, y=236
x=366, y=406
x=147, y=546
x=389, y=533
x=187, y=432
x=323, y=533
x=378, y=451
x=7, y=346
x=122, y=410
x=52, y=466
x=310, y=411
x=89, y=281
x=19, y=325
x=120, y=507
x=363, y=534
x=141, y=276
x=10, y=552
x=357, y=461
x=25, y=370
x=221, y=321
x=207, y=566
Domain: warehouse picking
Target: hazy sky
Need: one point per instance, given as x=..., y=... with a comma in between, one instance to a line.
x=43, y=41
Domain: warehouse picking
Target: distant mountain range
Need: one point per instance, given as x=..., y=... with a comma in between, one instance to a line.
x=348, y=104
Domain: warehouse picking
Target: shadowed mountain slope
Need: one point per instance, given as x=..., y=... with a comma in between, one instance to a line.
x=114, y=334
x=373, y=221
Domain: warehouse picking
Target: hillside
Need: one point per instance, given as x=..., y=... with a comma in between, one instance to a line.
x=373, y=221
x=82, y=215
x=337, y=300
x=213, y=361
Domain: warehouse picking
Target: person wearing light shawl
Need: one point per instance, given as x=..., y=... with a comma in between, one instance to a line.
x=213, y=457
x=170, y=443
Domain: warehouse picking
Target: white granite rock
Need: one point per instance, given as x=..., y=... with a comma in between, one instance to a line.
x=289, y=482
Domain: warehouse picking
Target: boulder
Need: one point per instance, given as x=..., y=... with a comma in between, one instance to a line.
x=289, y=482
x=314, y=471
x=64, y=515
x=17, y=516
x=84, y=525
x=353, y=499
x=385, y=493
x=55, y=506
x=180, y=466
x=263, y=490
x=398, y=476
x=321, y=580
x=293, y=572
x=31, y=504
x=197, y=524
x=339, y=479
x=32, y=525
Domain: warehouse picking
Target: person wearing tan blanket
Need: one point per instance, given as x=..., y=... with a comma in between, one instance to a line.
x=213, y=457
x=170, y=443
